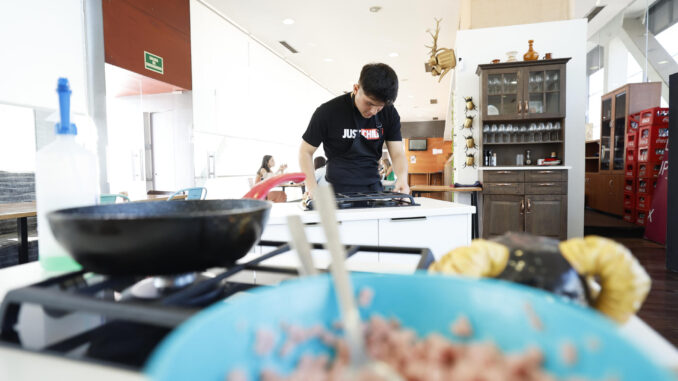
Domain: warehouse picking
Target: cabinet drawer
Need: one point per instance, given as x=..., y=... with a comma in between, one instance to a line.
x=546, y=187
x=360, y=232
x=504, y=188
x=438, y=233
x=546, y=175
x=503, y=176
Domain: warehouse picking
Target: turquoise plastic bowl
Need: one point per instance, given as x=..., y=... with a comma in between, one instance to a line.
x=221, y=338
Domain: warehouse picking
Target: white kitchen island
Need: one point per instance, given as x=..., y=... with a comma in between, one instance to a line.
x=437, y=225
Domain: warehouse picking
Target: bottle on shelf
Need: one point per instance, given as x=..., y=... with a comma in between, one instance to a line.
x=66, y=176
x=528, y=157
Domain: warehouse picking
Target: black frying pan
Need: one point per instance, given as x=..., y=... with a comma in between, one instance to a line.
x=156, y=238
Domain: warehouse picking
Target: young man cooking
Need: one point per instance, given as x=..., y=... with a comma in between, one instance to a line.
x=353, y=128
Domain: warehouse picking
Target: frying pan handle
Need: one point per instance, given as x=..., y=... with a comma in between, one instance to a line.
x=260, y=190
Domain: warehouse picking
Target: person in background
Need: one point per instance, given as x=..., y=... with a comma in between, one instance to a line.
x=266, y=171
x=319, y=165
x=387, y=170
x=353, y=128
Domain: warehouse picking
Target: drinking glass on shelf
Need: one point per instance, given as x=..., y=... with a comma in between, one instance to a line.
x=532, y=130
x=486, y=128
x=500, y=135
x=547, y=134
x=557, y=128
x=540, y=132
x=493, y=136
x=523, y=133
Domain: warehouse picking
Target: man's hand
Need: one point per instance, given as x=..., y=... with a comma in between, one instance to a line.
x=401, y=186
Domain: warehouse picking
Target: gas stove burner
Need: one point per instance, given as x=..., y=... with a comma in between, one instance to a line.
x=160, y=286
x=121, y=319
x=351, y=200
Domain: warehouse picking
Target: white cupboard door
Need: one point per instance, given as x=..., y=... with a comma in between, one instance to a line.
x=438, y=233
x=351, y=232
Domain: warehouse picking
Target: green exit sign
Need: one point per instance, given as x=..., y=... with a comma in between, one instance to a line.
x=153, y=63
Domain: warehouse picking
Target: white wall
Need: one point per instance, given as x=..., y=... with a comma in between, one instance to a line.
x=563, y=39
x=616, y=57
x=247, y=103
x=40, y=41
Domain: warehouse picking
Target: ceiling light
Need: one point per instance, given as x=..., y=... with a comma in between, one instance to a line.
x=662, y=62
x=375, y=9
x=394, y=54
x=328, y=59
x=288, y=21
x=594, y=67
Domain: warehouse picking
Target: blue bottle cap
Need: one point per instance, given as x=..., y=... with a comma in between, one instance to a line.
x=65, y=127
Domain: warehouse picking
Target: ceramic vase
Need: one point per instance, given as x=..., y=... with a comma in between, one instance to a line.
x=530, y=55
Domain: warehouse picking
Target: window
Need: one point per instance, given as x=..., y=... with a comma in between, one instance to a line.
x=596, y=75
x=595, y=92
x=17, y=139
x=663, y=14
x=668, y=39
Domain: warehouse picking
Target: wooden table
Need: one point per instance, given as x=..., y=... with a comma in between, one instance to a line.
x=294, y=185
x=162, y=197
x=417, y=190
x=20, y=211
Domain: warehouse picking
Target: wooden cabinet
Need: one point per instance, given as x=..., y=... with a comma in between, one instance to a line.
x=522, y=106
x=606, y=192
x=522, y=90
x=533, y=201
x=503, y=213
x=546, y=215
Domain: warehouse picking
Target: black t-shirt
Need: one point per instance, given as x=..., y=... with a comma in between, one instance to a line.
x=336, y=124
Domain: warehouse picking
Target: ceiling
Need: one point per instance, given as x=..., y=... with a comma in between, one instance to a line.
x=334, y=39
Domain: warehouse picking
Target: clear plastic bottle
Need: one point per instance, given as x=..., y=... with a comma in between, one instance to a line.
x=66, y=176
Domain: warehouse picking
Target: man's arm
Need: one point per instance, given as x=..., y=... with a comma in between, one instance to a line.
x=397, y=152
x=306, y=152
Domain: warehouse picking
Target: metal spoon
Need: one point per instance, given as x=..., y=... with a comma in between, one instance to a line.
x=325, y=205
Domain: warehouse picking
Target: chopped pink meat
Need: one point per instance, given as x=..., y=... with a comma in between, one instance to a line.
x=568, y=353
x=433, y=358
x=365, y=297
x=264, y=342
x=236, y=375
x=534, y=319
x=462, y=327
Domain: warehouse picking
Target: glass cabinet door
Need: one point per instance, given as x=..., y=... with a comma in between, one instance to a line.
x=502, y=95
x=619, y=131
x=543, y=92
x=606, y=135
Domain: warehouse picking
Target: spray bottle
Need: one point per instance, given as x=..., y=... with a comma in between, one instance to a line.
x=66, y=176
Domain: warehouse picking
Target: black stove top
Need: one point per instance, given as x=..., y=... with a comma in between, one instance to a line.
x=370, y=200
x=131, y=314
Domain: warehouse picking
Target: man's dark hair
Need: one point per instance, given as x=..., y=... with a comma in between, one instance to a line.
x=380, y=82
x=319, y=162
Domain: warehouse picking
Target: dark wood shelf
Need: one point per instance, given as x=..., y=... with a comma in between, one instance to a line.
x=592, y=157
x=504, y=65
